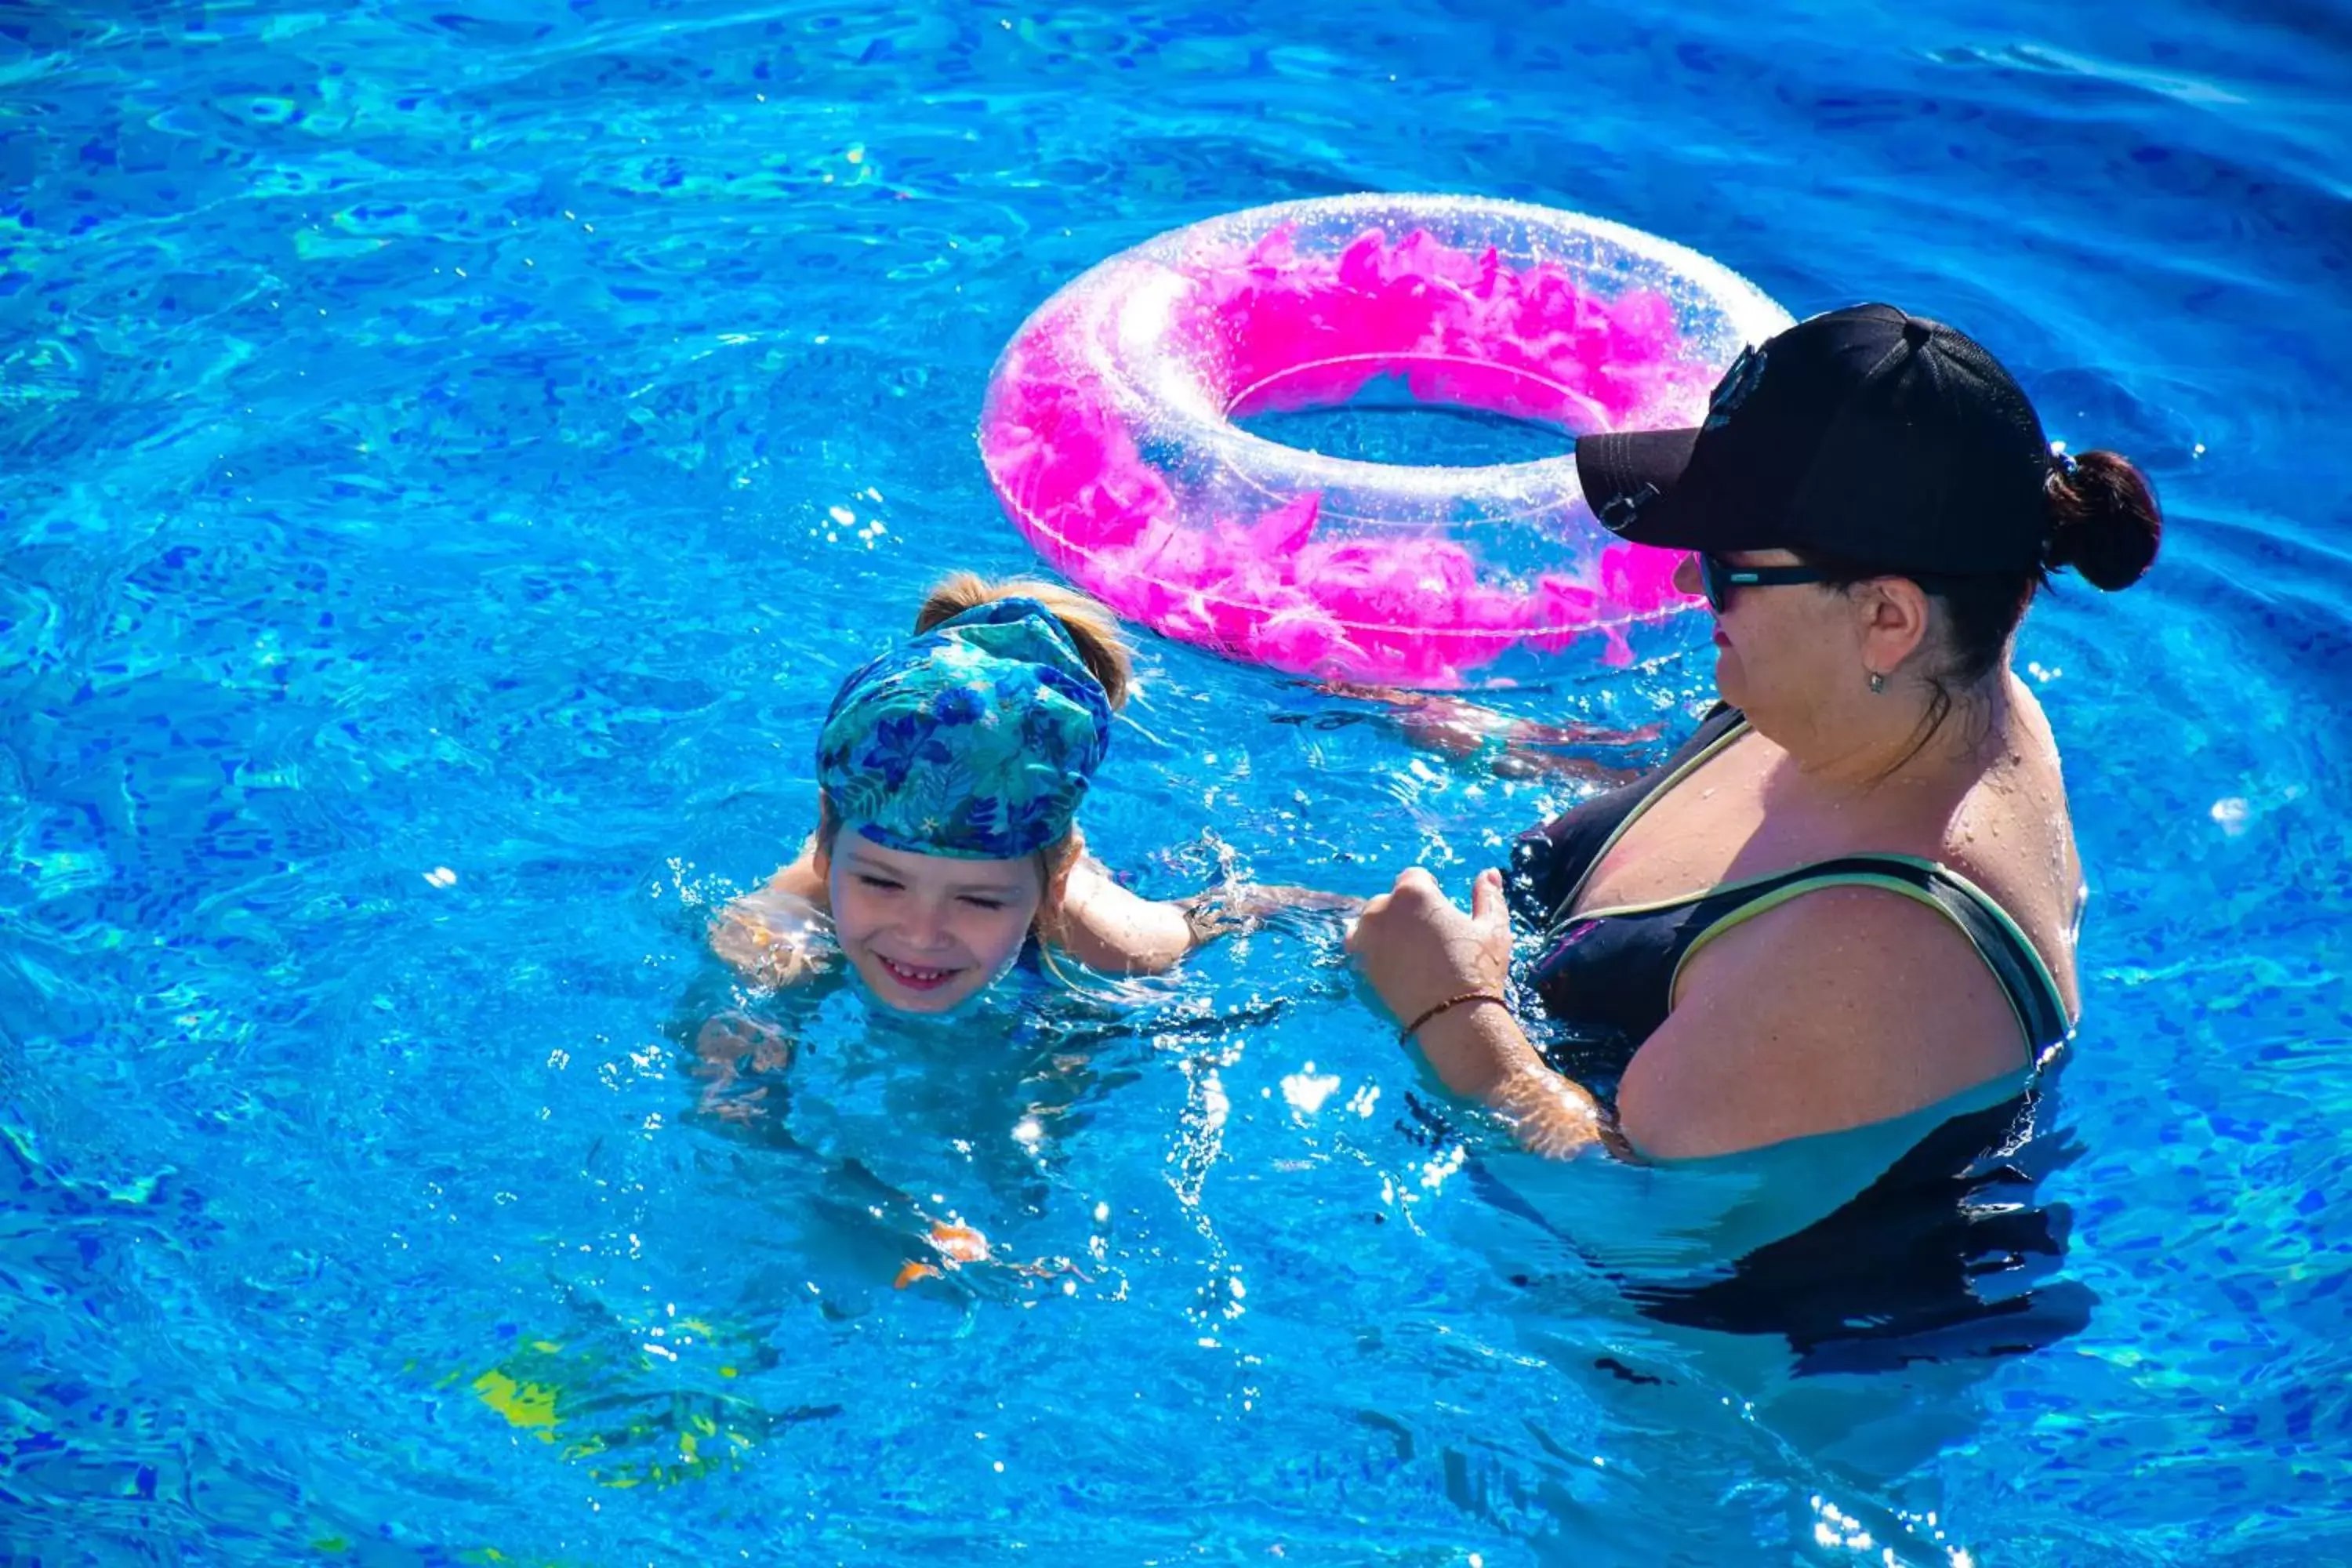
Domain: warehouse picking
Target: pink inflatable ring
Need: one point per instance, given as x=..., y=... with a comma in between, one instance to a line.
x=1109, y=428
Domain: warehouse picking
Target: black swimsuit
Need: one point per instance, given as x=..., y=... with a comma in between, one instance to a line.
x=1901, y=1271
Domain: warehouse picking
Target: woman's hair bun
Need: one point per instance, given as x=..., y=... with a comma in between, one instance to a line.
x=2104, y=520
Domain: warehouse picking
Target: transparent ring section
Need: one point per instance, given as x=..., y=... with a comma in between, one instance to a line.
x=1109, y=428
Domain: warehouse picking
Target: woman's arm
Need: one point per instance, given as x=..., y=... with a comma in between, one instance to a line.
x=1847, y=1006
x=1444, y=973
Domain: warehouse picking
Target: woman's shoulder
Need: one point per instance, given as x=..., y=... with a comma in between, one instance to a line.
x=1849, y=1006
x=2011, y=840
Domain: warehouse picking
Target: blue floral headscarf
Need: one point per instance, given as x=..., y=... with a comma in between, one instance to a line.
x=976, y=739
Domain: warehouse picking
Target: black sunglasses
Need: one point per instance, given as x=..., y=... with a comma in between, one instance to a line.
x=1717, y=577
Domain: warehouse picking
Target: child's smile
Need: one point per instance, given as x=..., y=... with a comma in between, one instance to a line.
x=925, y=932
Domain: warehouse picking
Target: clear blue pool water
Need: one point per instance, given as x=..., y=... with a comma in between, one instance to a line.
x=446, y=457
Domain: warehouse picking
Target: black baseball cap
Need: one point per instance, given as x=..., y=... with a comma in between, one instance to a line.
x=1865, y=433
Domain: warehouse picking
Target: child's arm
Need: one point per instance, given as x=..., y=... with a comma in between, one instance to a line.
x=1110, y=929
x=1107, y=927
x=771, y=937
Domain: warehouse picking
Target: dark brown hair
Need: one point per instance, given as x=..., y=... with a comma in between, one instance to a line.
x=2104, y=523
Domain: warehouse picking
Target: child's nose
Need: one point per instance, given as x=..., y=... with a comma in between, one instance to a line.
x=926, y=923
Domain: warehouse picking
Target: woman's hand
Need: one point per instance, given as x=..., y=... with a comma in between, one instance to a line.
x=1418, y=948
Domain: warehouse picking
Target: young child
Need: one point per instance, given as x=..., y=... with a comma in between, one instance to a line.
x=951, y=771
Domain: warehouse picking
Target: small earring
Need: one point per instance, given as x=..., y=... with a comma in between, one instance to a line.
x=1877, y=684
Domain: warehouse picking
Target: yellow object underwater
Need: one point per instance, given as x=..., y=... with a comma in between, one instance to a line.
x=630, y=1437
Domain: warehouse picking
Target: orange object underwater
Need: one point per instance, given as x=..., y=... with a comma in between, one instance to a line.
x=957, y=1245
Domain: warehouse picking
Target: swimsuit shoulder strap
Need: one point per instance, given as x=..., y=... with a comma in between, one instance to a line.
x=2015, y=962
x=1722, y=724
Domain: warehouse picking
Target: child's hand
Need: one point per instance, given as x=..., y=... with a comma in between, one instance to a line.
x=1237, y=908
x=732, y=1046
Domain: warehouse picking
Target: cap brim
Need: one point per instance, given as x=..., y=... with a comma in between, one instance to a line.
x=1631, y=480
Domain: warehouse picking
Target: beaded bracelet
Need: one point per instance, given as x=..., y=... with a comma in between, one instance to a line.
x=1463, y=1000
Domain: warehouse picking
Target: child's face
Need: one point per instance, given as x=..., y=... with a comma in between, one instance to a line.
x=925, y=932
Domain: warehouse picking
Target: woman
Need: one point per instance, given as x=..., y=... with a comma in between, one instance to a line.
x=1851, y=897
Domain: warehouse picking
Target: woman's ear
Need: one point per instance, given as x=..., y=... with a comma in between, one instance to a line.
x=1894, y=613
